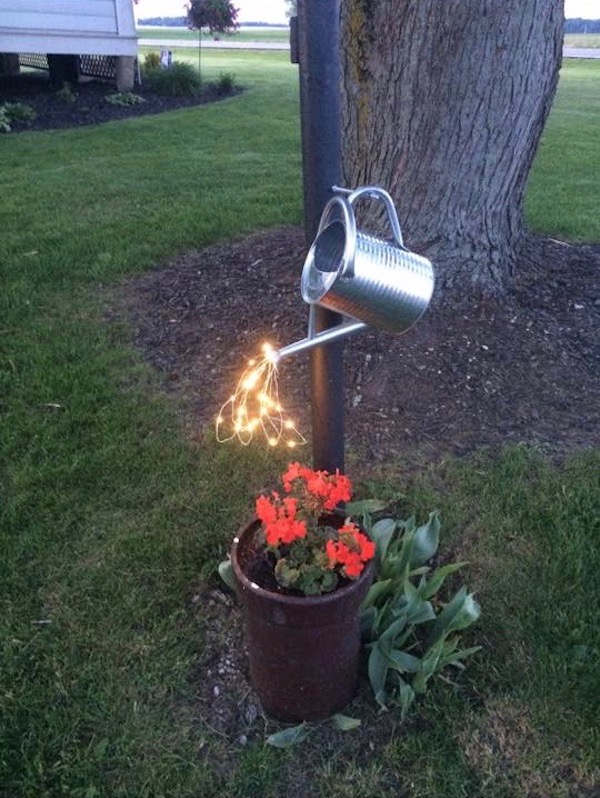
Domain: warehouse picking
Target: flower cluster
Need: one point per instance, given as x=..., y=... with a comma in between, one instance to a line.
x=352, y=550
x=279, y=519
x=310, y=546
x=320, y=490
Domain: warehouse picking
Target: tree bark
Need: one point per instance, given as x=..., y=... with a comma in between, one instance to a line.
x=443, y=104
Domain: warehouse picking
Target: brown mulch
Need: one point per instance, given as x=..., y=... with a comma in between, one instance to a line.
x=87, y=104
x=469, y=376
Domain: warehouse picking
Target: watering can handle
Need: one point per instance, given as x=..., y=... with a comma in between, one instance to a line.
x=374, y=192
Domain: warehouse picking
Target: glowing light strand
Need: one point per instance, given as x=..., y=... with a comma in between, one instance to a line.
x=255, y=408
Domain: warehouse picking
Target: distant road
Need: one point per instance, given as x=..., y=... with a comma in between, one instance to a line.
x=568, y=52
x=221, y=45
x=580, y=52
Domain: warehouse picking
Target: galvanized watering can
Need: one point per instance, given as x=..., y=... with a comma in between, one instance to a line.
x=372, y=280
x=358, y=275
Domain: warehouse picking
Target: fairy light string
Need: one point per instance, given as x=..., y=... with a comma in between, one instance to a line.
x=254, y=408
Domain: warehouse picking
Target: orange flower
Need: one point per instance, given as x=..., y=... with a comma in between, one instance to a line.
x=265, y=511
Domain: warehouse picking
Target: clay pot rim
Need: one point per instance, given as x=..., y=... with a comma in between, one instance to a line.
x=283, y=598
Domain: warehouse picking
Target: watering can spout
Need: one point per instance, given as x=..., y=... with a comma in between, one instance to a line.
x=314, y=339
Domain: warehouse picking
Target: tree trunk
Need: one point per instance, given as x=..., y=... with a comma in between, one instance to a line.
x=443, y=104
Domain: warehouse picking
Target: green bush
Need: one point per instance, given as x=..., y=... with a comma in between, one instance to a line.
x=124, y=98
x=226, y=83
x=66, y=94
x=179, y=80
x=151, y=61
x=14, y=112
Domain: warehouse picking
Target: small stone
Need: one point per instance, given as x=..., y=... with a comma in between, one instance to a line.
x=250, y=713
x=242, y=739
x=216, y=691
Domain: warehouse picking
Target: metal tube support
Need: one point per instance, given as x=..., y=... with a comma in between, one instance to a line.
x=318, y=51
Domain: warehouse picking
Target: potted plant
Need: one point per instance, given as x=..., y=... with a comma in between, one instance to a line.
x=301, y=571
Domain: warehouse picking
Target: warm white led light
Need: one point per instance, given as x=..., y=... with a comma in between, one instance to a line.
x=254, y=407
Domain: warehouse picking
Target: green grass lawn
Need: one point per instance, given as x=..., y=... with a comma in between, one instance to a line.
x=562, y=198
x=111, y=519
x=583, y=40
x=246, y=35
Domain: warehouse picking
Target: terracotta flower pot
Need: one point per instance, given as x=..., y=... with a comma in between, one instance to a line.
x=304, y=651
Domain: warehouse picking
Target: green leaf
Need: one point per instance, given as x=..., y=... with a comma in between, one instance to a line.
x=369, y=506
x=288, y=737
x=226, y=573
x=394, y=629
x=345, y=723
x=457, y=656
x=407, y=696
x=461, y=612
x=403, y=662
x=376, y=590
x=424, y=569
x=421, y=612
x=432, y=585
x=378, y=669
x=426, y=540
x=368, y=616
x=382, y=532
x=401, y=566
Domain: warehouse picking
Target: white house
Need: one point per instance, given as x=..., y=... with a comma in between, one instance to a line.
x=77, y=27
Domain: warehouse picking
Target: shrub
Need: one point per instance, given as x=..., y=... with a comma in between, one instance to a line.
x=225, y=83
x=14, y=112
x=124, y=98
x=4, y=120
x=151, y=61
x=66, y=94
x=179, y=80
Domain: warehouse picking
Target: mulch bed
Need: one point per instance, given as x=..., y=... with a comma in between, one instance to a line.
x=475, y=375
x=89, y=105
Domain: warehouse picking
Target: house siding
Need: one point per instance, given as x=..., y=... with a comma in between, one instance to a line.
x=94, y=27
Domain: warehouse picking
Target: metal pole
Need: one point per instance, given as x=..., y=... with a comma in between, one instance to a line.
x=318, y=50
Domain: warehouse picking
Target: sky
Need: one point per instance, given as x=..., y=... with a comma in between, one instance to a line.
x=273, y=11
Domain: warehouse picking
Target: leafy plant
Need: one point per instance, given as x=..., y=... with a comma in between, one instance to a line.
x=4, y=120
x=410, y=634
x=225, y=83
x=125, y=98
x=151, y=61
x=13, y=112
x=179, y=80
x=307, y=548
x=66, y=94
x=292, y=735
